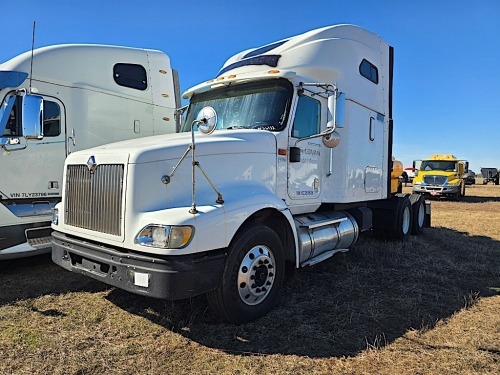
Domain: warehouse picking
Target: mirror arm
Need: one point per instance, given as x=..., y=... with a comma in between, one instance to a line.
x=324, y=133
x=178, y=117
x=13, y=144
x=166, y=179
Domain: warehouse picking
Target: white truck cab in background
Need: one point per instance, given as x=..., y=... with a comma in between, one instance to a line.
x=78, y=96
x=284, y=158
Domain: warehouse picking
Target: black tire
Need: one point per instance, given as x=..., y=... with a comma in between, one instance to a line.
x=457, y=196
x=403, y=218
x=257, y=254
x=418, y=213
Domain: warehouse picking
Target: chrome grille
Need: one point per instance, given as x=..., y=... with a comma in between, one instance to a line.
x=94, y=200
x=435, y=180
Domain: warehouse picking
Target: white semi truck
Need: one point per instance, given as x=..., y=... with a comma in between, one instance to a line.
x=78, y=96
x=283, y=159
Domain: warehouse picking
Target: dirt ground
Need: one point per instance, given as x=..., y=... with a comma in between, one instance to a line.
x=427, y=306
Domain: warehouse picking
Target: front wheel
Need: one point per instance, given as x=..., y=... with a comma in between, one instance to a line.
x=252, y=278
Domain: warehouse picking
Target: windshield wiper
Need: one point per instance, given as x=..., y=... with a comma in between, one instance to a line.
x=261, y=126
x=237, y=127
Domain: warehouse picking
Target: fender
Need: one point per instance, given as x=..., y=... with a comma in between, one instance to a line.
x=245, y=199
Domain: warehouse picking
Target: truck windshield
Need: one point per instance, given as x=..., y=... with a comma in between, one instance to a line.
x=437, y=165
x=255, y=105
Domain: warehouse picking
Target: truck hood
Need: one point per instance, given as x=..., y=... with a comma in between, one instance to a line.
x=173, y=146
x=443, y=177
x=437, y=173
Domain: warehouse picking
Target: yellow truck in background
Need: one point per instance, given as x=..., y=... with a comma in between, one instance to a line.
x=441, y=175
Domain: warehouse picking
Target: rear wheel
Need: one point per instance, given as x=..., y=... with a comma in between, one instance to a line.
x=394, y=221
x=252, y=278
x=402, y=229
x=418, y=213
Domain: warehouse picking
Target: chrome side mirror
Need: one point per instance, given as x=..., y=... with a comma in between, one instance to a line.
x=32, y=116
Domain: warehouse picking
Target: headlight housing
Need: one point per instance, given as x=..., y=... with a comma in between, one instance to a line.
x=55, y=216
x=165, y=236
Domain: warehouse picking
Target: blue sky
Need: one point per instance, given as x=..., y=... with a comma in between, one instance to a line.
x=447, y=53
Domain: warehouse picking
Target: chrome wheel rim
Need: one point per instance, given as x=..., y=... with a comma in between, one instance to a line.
x=421, y=215
x=406, y=220
x=256, y=275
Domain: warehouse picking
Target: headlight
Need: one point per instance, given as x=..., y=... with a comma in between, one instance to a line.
x=165, y=236
x=55, y=216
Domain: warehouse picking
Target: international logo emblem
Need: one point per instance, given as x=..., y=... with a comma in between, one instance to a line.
x=91, y=164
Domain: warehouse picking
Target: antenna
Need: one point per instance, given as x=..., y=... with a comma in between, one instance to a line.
x=32, y=47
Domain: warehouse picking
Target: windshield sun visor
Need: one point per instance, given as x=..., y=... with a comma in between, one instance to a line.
x=12, y=79
x=269, y=60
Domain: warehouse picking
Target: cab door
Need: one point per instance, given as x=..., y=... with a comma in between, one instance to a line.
x=34, y=171
x=304, y=176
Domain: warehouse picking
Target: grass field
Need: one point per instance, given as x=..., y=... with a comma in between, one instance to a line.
x=427, y=306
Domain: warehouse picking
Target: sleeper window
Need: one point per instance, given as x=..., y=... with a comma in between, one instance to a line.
x=130, y=75
x=369, y=71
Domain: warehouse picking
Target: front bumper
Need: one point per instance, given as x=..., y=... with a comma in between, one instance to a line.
x=173, y=277
x=24, y=240
x=436, y=190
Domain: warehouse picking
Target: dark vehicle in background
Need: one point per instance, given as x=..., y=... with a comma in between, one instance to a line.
x=490, y=175
x=470, y=178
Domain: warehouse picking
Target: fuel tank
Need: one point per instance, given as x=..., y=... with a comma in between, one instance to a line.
x=320, y=232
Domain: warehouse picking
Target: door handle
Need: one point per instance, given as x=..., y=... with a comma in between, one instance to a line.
x=72, y=138
x=372, y=132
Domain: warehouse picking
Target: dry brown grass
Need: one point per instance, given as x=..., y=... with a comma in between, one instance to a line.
x=428, y=306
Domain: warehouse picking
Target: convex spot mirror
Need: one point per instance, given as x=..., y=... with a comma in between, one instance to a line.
x=331, y=140
x=206, y=120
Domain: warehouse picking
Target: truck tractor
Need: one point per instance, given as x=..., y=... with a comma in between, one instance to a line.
x=441, y=175
x=283, y=160
x=59, y=99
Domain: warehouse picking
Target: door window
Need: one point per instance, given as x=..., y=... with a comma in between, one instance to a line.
x=307, y=118
x=51, y=119
x=12, y=127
